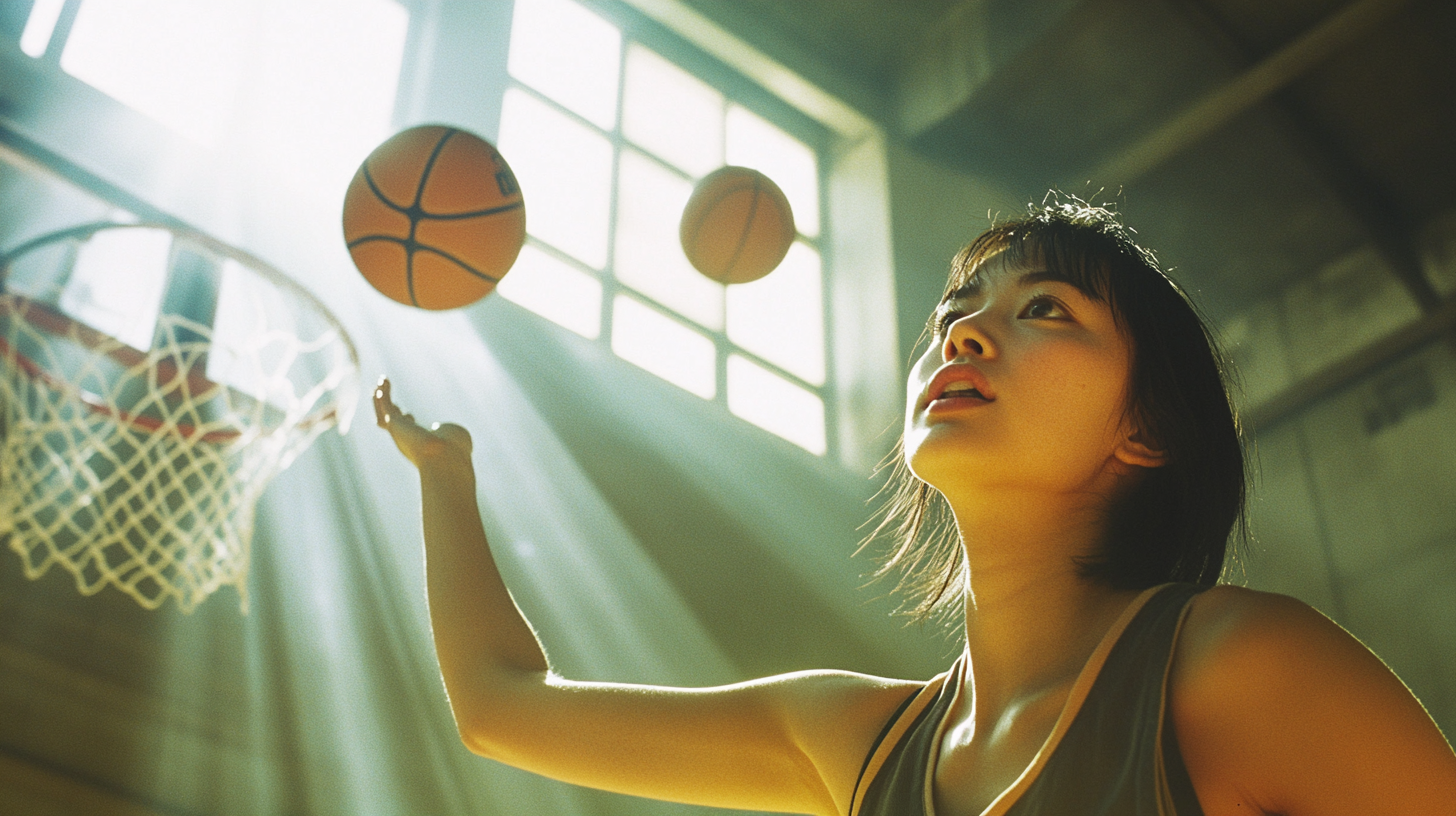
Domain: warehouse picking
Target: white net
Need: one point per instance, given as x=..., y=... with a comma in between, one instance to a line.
x=134, y=457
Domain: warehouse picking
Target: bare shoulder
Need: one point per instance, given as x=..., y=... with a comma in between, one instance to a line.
x=1279, y=710
x=1229, y=625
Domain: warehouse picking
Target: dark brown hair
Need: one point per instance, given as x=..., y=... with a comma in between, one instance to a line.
x=1175, y=523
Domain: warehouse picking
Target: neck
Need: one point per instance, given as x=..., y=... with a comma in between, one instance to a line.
x=1031, y=620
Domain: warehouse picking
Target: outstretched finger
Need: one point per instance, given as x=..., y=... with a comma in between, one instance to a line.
x=383, y=404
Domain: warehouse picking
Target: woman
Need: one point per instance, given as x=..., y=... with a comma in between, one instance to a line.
x=1071, y=413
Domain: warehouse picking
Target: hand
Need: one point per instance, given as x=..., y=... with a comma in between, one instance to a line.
x=418, y=444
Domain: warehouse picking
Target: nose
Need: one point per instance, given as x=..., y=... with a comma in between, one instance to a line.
x=966, y=337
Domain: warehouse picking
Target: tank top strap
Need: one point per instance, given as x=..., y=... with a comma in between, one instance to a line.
x=932, y=697
x=1116, y=753
x=1110, y=752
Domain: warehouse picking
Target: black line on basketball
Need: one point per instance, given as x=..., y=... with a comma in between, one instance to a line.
x=364, y=239
x=454, y=260
x=409, y=273
x=747, y=228
x=473, y=214
x=379, y=194
x=430, y=165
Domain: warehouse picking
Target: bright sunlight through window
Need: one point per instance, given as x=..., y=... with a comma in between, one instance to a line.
x=606, y=197
x=116, y=285
x=309, y=83
x=551, y=151
x=650, y=200
x=36, y=37
x=663, y=346
x=556, y=290
x=568, y=54
x=771, y=402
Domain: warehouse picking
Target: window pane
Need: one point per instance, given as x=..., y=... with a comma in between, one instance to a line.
x=556, y=290
x=323, y=86
x=307, y=86
x=663, y=346
x=39, y=27
x=568, y=54
x=672, y=113
x=775, y=404
x=649, y=257
x=248, y=306
x=753, y=142
x=116, y=285
x=178, y=61
x=781, y=317
x=565, y=170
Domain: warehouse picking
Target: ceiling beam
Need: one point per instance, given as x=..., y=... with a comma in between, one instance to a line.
x=1375, y=210
x=1364, y=198
x=962, y=51
x=1250, y=88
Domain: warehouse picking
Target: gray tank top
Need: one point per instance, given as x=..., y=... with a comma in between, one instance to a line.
x=1112, y=751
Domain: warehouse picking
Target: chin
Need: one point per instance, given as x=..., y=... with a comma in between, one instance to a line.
x=940, y=459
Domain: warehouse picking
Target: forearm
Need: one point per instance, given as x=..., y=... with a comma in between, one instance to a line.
x=482, y=640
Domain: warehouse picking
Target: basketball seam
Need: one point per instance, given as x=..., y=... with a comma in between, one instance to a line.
x=426, y=248
x=747, y=228
x=430, y=165
x=379, y=194
x=415, y=212
x=452, y=259
x=379, y=236
x=707, y=211
x=474, y=214
x=364, y=239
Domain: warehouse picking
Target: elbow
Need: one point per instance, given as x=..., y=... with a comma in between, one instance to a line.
x=481, y=733
x=478, y=742
x=491, y=723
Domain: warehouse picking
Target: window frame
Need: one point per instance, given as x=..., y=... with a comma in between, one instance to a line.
x=737, y=89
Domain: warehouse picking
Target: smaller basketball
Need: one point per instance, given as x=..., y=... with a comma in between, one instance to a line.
x=434, y=217
x=737, y=225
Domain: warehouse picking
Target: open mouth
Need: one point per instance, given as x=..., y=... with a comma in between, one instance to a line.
x=958, y=390
x=959, y=383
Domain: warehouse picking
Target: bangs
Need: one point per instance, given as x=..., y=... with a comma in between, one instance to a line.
x=1076, y=259
x=1080, y=244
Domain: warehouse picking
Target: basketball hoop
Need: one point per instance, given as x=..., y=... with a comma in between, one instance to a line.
x=137, y=431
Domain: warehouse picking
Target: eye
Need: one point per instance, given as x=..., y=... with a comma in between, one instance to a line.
x=940, y=322
x=1043, y=307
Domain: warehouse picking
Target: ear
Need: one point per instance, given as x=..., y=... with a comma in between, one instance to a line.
x=1137, y=449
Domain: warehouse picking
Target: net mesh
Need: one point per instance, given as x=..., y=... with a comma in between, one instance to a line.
x=141, y=469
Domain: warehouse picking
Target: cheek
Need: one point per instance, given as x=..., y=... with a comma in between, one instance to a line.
x=1083, y=395
x=920, y=374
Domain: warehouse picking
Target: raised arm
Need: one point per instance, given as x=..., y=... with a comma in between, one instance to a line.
x=792, y=743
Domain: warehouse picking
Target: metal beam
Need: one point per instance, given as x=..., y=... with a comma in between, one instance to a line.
x=1246, y=90
x=1376, y=211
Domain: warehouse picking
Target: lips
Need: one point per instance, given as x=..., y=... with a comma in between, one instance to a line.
x=959, y=381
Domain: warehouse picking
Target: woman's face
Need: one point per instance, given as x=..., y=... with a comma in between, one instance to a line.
x=1023, y=387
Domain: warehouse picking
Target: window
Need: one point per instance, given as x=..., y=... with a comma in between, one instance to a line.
x=310, y=84
x=608, y=137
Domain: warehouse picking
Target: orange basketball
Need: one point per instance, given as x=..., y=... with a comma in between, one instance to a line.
x=434, y=217
x=737, y=225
